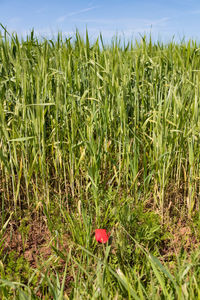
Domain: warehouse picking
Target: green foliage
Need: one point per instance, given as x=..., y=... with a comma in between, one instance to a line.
x=24, y=229
x=17, y=268
x=80, y=118
x=89, y=133
x=195, y=225
x=145, y=226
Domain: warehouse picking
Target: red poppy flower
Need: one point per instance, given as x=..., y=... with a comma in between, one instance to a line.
x=101, y=236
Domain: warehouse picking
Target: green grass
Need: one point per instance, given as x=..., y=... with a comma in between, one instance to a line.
x=100, y=136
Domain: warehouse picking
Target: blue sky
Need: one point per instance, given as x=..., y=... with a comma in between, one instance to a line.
x=164, y=19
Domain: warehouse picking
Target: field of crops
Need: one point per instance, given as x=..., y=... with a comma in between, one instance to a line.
x=99, y=136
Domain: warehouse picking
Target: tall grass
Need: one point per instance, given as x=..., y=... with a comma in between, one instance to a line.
x=98, y=130
x=77, y=118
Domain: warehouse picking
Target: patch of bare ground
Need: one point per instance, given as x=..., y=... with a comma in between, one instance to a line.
x=181, y=239
x=34, y=246
x=176, y=222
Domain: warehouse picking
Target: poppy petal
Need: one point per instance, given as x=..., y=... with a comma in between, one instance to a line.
x=101, y=236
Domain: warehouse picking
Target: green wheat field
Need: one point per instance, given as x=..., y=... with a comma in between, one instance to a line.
x=96, y=135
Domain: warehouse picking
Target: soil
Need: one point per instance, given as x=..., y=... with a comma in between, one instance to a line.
x=181, y=239
x=35, y=246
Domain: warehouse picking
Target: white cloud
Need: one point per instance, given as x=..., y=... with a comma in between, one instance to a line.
x=63, y=18
x=14, y=20
x=124, y=27
x=123, y=22
x=40, y=10
x=195, y=12
x=82, y=11
x=158, y=22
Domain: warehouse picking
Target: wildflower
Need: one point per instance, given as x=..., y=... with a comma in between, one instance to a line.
x=101, y=236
